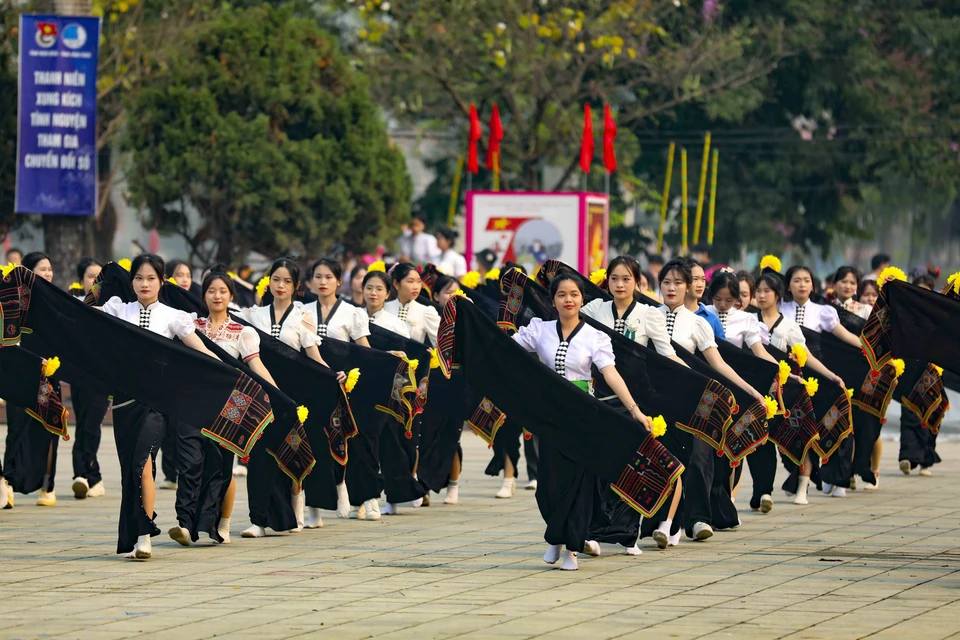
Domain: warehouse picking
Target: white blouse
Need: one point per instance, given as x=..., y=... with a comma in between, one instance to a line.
x=346, y=322
x=452, y=264
x=689, y=330
x=299, y=329
x=816, y=317
x=641, y=323
x=158, y=317
x=586, y=346
x=786, y=334
x=423, y=321
x=739, y=326
x=388, y=321
x=236, y=339
x=857, y=308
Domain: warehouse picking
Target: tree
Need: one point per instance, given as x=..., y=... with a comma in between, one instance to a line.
x=541, y=61
x=8, y=115
x=261, y=126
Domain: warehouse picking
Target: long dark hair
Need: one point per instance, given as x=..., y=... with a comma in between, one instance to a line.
x=172, y=266
x=377, y=275
x=83, y=265
x=218, y=272
x=443, y=281
x=560, y=277
x=679, y=265
x=329, y=263
x=32, y=259
x=629, y=263
x=787, y=296
x=402, y=270
x=290, y=266
x=151, y=259
x=745, y=276
x=724, y=280
x=773, y=281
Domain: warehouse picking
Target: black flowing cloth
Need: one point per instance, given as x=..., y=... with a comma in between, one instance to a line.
x=719, y=399
x=24, y=383
x=603, y=441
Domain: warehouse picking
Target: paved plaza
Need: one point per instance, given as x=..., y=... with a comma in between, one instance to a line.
x=879, y=565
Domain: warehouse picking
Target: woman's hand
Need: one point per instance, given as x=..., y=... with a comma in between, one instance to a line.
x=839, y=381
x=756, y=395
x=399, y=354
x=341, y=377
x=642, y=418
x=797, y=379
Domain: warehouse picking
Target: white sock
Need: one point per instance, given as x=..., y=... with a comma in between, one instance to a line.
x=3, y=493
x=453, y=483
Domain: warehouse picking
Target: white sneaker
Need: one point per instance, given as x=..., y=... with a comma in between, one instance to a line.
x=838, y=492
x=662, y=533
x=674, y=540
x=531, y=486
x=453, y=496
x=634, y=551
x=389, y=509
x=254, y=531
x=926, y=472
x=343, y=501
x=3, y=494
x=168, y=485
x=371, y=510
x=298, y=502
x=592, y=548
x=80, y=488
x=507, y=488
x=416, y=504
x=142, y=550
x=97, y=490
x=223, y=529
x=8, y=503
x=180, y=535
x=552, y=554
x=240, y=471
x=314, y=521
x=766, y=503
x=570, y=562
x=905, y=467
x=801, y=497
x=47, y=499
x=702, y=531
x=827, y=488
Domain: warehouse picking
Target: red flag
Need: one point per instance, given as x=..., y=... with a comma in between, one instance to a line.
x=586, y=146
x=496, y=135
x=475, y=133
x=609, y=135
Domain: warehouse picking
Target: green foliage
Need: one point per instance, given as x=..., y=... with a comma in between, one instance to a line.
x=262, y=127
x=8, y=117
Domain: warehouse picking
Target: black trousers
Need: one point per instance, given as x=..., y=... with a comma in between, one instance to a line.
x=839, y=468
x=763, y=470
x=205, y=472
x=697, y=484
x=189, y=471
x=866, y=431
x=531, y=453
x=89, y=410
x=138, y=432
x=566, y=495
x=28, y=444
x=917, y=445
x=168, y=458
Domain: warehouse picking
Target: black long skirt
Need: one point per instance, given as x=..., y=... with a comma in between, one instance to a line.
x=918, y=445
x=398, y=461
x=763, y=469
x=268, y=488
x=28, y=444
x=363, y=476
x=866, y=431
x=677, y=442
x=566, y=495
x=839, y=468
x=89, y=409
x=722, y=510
x=439, y=445
x=138, y=432
x=506, y=443
x=205, y=470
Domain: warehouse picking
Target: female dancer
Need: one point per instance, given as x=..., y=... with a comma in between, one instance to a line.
x=797, y=306
x=918, y=445
x=748, y=290
x=451, y=263
x=846, y=284
x=297, y=328
x=779, y=331
x=206, y=490
x=357, y=275
x=89, y=409
x=137, y=429
x=30, y=458
x=423, y=321
x=376, y=290
x=693, y=333
x=868, y=292
x=334, y=318
x=741, y=328
x=566, y=492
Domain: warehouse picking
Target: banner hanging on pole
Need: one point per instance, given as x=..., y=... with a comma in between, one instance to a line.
x=57, y=115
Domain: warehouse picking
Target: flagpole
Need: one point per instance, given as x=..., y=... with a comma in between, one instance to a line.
x=606, y=183
x=683, y=196
x=704, y=165
x=713, y=197
x=666, y=196
x=496, y=171
x=455, y=194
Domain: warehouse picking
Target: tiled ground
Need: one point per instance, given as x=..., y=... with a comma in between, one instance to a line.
x=879, y=565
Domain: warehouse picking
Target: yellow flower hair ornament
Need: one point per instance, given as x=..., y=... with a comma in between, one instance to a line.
x=458, y=292
x=771, y=405
x=352, y=377
x=812, y=385
x=377, y=266
x=598, y=277
x=50, y=366
x=493, y=274
x=75, y=285
x=659, y=427
x=125, y=263
x=262, y=286
x=891, y=273
x=770, y=262
x=800, y=353
x=784, y=372
x=6, y=269
x=470, y=279
x=302, y=414
x=898, y=366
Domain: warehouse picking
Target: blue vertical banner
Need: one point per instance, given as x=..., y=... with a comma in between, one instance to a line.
x=57, y=115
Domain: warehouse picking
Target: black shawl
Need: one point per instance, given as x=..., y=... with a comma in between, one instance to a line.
x=25, y=385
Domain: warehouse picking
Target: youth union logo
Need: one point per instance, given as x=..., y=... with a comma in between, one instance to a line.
x=46, y=34
x=74, y=36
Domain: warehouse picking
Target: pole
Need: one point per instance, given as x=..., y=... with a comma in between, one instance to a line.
x=455, y=194
x=713, y=196
x=666, y=197
x=684, y=201
x=703, y=187
x=496, y=171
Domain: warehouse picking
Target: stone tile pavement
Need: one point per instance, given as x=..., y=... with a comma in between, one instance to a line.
x=878, y=565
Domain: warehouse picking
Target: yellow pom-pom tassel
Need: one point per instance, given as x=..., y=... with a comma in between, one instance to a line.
x=898, y=366
x=459, y=292
x=493, y=274
x=6, y=269
x=377, y=266
x=770, y=262
x=75, y=285
x=771, y=405
x=50, y=366
x=891, y=273
x=812, y=385
x=434, y=359
x=171, y=281
x=352, y=378
x=784, y=372
x=955, y=281
x=800, y=353
x=938, y=369
x=302, y=414
x=262, y=286
x=125, y=263
x=470, y=279
x=659, y=427
x=598, y=277
x=414, y=364
x=232, y=275
x=849, y=393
